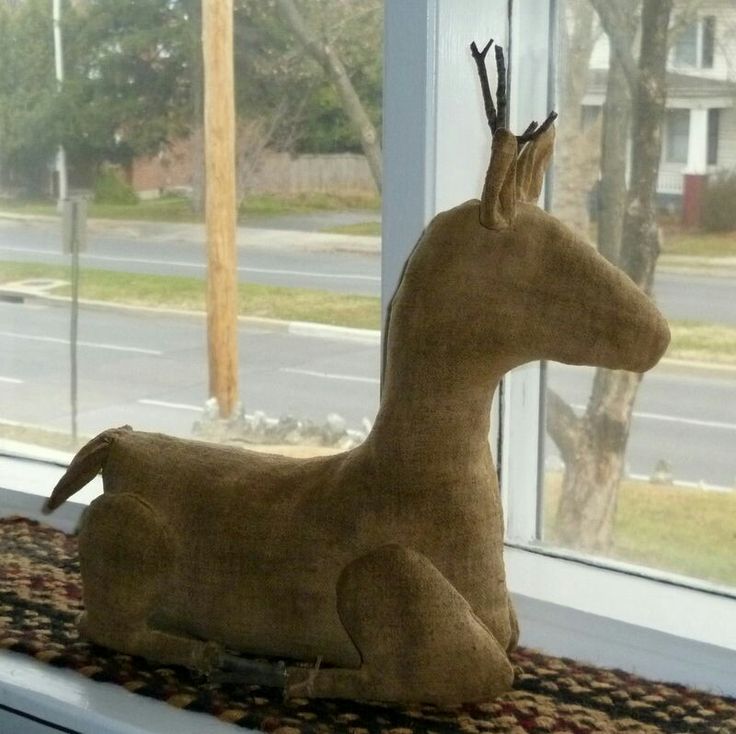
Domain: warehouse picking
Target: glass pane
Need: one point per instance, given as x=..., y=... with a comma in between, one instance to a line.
x=127, y=117
x=709, y=41
x=686, y=45
x=677, y=135
x=643, y=470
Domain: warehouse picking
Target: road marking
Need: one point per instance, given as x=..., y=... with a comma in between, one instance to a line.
x=199, y=266
x=687, y=421
x=677, y=419
x=166, y=404
x=94, y=345
x=330, y=376
x=686, y=483
x=11, y=380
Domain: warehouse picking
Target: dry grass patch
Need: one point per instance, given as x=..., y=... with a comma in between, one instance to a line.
x=684, y=530
x=178, y=292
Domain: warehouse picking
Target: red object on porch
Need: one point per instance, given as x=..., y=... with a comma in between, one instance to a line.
x=692, y=198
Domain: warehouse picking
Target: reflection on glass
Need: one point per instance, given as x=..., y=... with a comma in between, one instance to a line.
x=643, y=470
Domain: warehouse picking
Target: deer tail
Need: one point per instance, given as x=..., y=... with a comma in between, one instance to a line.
x=84, y=467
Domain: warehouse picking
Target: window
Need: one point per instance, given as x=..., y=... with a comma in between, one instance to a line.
x=686, y=46
x=677, y=132
x=667, y=586
x=676, y=441
x=670, y=519
x=694, y=45
x=714, y=118
x=708, y=41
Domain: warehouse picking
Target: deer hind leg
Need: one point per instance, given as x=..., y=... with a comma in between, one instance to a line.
x=125, y=557
x=418, y=637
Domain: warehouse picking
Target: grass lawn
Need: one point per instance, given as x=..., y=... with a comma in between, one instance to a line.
x=372, y=229
x=292, y=304
x=678, y=529
x=177, y=209
x=701, y=342
x=699, y=244
x=693, y=341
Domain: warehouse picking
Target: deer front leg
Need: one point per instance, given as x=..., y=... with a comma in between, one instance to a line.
x=418, y=637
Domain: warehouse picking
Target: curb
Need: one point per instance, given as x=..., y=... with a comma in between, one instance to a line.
x=296, y=328
x=305, y=328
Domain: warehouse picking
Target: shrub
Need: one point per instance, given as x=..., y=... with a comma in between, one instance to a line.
x=109, y=189
x=719, y=204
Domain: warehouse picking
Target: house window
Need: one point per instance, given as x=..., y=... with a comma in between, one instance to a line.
x=714, y=119
x=708, y=42
x=686, y=46
x=694, y=45
x=677, y=131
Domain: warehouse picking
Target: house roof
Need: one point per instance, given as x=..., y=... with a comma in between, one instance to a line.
x=678, y=85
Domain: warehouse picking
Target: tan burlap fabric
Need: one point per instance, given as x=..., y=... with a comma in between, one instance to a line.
x=385, y=562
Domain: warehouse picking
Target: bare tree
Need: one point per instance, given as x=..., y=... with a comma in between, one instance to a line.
x=615, y=134
x=255, y=136
x=593, y=445
x=578, y=146
x=327, y=57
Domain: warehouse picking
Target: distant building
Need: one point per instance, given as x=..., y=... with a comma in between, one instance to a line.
x=699, y=136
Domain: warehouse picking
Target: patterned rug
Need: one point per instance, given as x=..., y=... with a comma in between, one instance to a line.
x=40, y=599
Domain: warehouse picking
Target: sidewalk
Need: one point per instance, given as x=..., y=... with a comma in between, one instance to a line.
x=698, y=265
x=248, y=236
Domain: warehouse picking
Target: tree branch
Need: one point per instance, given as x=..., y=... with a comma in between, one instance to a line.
x=328, y=59
x=615, y=27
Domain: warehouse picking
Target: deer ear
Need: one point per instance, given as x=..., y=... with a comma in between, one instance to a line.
x=498, y=202
x=533, y=162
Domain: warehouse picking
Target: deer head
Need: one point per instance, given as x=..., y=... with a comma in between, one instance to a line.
x=501, y=274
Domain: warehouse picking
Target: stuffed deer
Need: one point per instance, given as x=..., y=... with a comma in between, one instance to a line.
x=381, y=566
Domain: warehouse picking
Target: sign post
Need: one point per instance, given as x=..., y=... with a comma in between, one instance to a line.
x=74, y=228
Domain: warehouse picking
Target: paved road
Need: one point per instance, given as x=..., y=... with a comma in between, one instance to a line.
x=150, y=371
x=179, y=250
x=174, y=249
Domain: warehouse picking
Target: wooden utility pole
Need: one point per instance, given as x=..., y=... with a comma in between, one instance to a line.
x=220, y=209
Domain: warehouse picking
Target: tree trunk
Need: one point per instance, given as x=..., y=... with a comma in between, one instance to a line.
x=614, y=139
x=594, y=461
x=593, y=447
x=576, y=164
x=327, y=57
x=640, y=244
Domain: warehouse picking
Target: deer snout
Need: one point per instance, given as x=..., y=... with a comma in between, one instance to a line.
x=641, y=339
x=654, y=340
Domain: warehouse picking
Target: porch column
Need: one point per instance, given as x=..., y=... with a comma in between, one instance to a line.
x=697, y=143
x=695, y=175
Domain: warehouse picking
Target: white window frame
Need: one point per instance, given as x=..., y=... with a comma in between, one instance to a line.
x=653, y=623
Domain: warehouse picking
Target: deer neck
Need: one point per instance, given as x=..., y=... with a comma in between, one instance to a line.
x=437, y=405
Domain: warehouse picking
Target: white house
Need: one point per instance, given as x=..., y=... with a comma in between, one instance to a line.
x=700, y=124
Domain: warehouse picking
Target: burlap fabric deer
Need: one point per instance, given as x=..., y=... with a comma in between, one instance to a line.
x=384, y=563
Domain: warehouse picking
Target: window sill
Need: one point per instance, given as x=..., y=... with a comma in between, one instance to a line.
x=608, y=617
x=51, y=700
x=605, y=616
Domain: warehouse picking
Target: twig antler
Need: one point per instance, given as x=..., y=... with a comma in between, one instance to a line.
x=497, y=117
